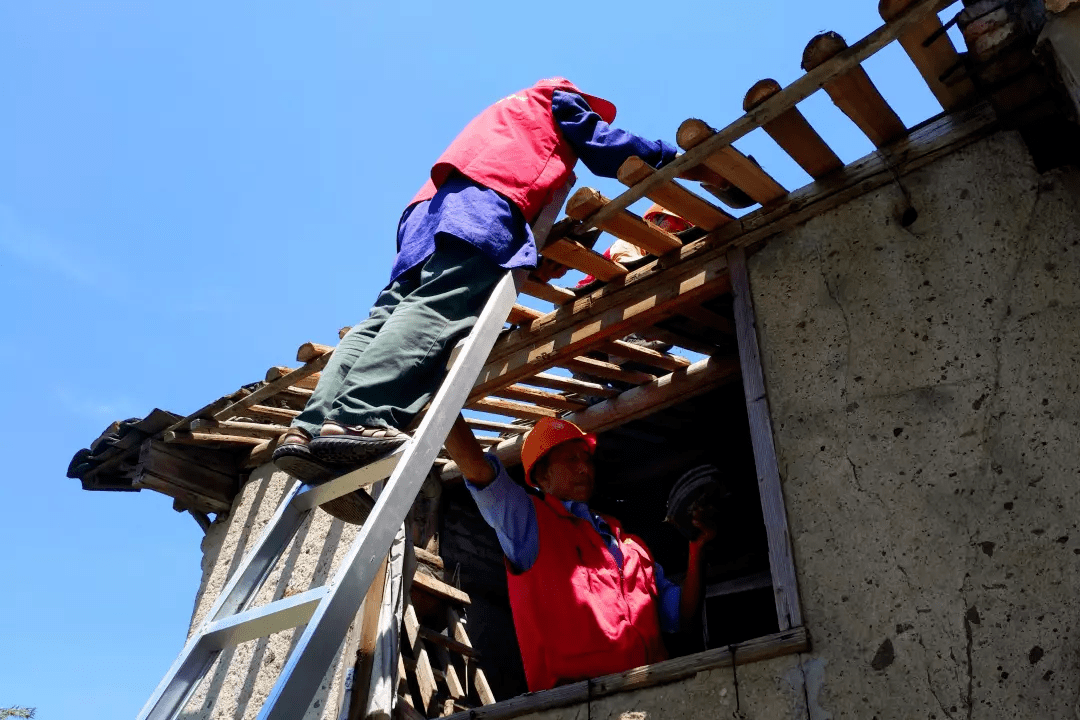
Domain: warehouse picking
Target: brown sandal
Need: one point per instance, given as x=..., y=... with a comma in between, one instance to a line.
x=354, y=445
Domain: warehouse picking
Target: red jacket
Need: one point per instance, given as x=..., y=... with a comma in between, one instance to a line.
x=577, y=615
x=514, y=148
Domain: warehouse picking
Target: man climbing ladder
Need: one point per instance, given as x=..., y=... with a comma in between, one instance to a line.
x=468, y=225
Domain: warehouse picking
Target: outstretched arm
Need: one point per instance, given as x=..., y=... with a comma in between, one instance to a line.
x=464, y=450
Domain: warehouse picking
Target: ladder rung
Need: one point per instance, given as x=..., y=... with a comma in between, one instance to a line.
x=371, y=473
x=266, y=620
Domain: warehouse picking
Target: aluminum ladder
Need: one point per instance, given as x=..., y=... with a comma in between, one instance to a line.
x=329, y=610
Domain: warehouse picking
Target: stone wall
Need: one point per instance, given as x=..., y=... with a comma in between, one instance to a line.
x=242, y=677
x=924, y=384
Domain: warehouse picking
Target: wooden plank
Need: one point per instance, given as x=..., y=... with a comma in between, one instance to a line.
x=521, y=315
x=775, y=106
x=439, y=589
x=208, y=410
x=732, y=164
x=628, y=352
x=579, y=257
x=763, y=648
x=353, y=698
x=312, y=351
x=673, y=196
x=854, y=93
x=273, y=388
x=279, y=416
x=449, y=643
x=456, y=626
x=624, y=225
x=554, y=295
x=425, y=678
x=606, y=370
x=169, y=462
x=184, y=437
x=478, y=424
x=510, y=409
x=934, y=60
x=308, y=383
x=549, y=342
x=781, y=562
x=792, y=132
x=542, y=398
x=677, y=339
x=663, y=392
x=239, y=429
x=570, y=385
x=189, y=497
x=428, y=558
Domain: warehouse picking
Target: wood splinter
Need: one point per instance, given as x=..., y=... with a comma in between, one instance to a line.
x=853, y=92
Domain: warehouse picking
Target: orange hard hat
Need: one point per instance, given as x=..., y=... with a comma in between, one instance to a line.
x=545, y=435
x=664, y=219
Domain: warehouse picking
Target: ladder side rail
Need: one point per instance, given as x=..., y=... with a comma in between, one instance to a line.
x=194, y=659
x=315, y=651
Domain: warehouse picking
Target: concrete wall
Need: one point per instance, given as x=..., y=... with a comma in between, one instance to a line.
x=242, y=677
x=925, y=393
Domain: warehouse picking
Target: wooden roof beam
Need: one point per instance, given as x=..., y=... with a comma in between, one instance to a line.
x=775, y=106
x=937, y=61
x=854, y=92
x=738, y=169
x=693, y=208
x=624, y=225
x=793, y=133
x=577, y=256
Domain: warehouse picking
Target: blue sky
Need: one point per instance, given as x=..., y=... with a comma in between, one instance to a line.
x=189, y=191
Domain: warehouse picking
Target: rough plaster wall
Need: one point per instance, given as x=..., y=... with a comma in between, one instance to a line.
x=924, y=389
x=242, y=677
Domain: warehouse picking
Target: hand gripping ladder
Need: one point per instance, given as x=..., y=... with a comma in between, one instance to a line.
x=329, y=610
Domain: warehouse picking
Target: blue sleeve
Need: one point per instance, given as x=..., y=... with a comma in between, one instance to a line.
x=600, y=146
x=506, y=507
x=669, y=596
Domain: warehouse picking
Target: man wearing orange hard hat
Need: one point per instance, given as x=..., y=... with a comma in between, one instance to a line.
x=588, y=599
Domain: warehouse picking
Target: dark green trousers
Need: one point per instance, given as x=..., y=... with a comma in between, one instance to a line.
x=387, y=368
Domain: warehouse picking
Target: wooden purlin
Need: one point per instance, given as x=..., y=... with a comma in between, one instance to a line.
x=674, y=197
x=732, y=164
x=624, y=225
x=579, y=257
x=772, y=108
x=936, y=60
x=854, y=92
x=793, y=133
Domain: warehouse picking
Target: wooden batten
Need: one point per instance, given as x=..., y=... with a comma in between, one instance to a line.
x=624, y=225
x=678, y=339
x=579, y=257
x=477, y=424
x=239, y=429
x=183, y=437
x=542, y=398
x=273, y=415
x=935, y=60
x=630, y=352
x=738, y=169
x=511, y=409
x=193, y=477
x=311, y=351
x=308, y=383
x=694, y=209
x=520, y=315
x=543, y=291
x=606, y=370
x=853, y=92
x=570, y=385
x=792, y=132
